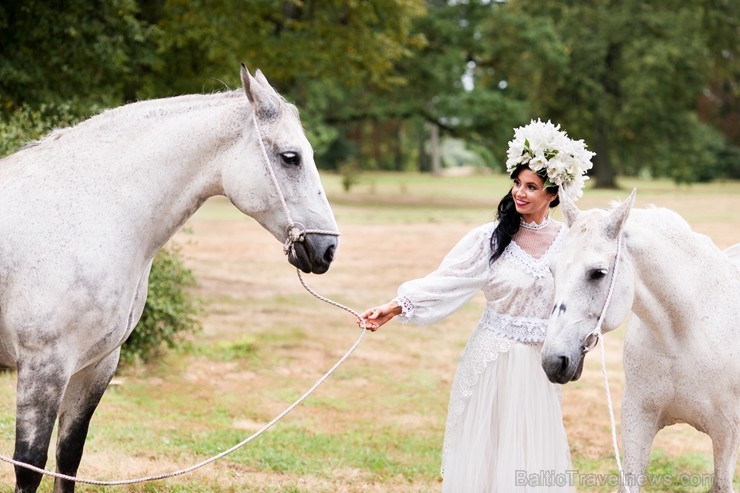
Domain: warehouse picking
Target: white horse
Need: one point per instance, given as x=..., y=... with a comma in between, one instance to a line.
x=82, y=213
x=682, y=345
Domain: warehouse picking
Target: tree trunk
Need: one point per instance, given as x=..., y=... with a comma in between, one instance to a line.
x=434, y=144
x=398, y=146
x=423, y=160
x=603, y=174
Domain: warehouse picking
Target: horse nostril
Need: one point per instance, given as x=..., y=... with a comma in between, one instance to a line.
x=329, y=254
x=563, y=365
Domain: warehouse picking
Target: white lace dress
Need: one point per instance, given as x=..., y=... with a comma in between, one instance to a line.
x=504, y=429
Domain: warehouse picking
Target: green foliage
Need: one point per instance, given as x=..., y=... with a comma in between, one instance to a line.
x=369, y=77
x=728, y=159
x=171, y=311
x=623, y=75
x=304, y=46
x=27, y=123
x=71, y=51
x=350, y=172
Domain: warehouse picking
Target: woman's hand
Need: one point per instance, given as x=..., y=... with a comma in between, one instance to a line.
x=379, y=315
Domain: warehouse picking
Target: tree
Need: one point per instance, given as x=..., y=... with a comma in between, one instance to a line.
x=431, y=94
x=440, y=90
x=371, y=76
x=346, y=44
x=623, y=75
x=74, y=51
x=330, y=57
x=719, y=104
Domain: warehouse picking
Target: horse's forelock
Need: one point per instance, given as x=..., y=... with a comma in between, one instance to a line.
x=286, y=111
x=588, y=222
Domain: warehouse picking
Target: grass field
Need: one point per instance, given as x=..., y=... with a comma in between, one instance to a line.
x=376, y=425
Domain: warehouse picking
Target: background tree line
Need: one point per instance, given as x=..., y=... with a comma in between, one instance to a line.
x=651, y=86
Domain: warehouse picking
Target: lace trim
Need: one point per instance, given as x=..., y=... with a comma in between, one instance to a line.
x=407, y=308
x=537, y=268
x=527, y=263
x=526, y=330
x=533, y=225
x=480, y=352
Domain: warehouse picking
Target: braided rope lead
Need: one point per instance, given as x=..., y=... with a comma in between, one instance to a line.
x=239, y=445
x=612, y=420
x=294, y=233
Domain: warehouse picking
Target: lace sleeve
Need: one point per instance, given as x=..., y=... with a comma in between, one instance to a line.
x=461, y=274
x=407, y=308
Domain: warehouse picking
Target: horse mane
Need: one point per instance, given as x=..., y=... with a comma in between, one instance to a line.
x=162, y=107
x=55, y=134
x=657, y=219
x=666, y=222
x=153, y=108
x=651, y=211
x=661, y=215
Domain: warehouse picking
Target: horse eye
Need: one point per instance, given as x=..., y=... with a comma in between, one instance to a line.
x=597, y=274
x=290, y=158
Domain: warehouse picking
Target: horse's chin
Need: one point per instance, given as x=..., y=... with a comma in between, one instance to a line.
x=302, y=258
x=572, y=376
x=299, y=258
x=566, y=374
x=579, y=369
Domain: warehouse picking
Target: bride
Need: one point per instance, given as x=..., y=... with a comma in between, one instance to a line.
x=504, y=430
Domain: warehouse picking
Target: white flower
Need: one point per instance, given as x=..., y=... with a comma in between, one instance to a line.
x=544, y=146
x=537, y=163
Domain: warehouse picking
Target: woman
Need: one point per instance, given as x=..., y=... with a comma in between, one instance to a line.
x=504, y=428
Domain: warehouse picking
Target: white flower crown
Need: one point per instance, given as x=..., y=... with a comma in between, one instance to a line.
x=544, y=146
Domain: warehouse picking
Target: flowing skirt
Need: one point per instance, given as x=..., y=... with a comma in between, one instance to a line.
x=504, y=430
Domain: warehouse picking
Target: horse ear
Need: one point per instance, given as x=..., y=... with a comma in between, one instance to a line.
x=570, y=211
x=260, y=77
x=619, y=216
x=265, y=102
x=246, y=82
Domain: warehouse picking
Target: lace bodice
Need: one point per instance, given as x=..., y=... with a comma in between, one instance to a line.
x=518, y=287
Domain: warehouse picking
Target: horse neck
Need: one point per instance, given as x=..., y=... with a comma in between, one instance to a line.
x=663, y=252
x=174, y=165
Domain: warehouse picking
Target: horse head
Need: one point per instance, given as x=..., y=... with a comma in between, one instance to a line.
x=583, y=272
x=276, y=181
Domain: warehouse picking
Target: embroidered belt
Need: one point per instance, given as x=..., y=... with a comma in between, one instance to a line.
x=520, y=329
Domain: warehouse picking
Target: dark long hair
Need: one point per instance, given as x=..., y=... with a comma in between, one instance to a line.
x=509, y=219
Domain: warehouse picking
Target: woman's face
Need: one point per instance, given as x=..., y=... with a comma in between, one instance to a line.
x=531, y=198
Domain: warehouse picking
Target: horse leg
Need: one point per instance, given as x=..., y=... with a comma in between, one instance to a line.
x=40, y=387
x=724, y=444
x=638, y=431
x=82, y=397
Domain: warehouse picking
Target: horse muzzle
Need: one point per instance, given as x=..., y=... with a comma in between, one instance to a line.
x=314, y=253
x=562, y=369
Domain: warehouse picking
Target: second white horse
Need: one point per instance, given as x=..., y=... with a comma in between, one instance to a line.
x=682, y=346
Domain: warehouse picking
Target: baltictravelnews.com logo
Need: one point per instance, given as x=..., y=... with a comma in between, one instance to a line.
x=576, y=478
